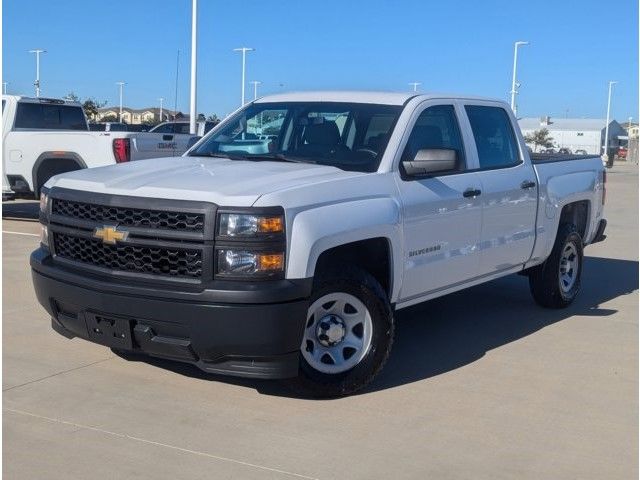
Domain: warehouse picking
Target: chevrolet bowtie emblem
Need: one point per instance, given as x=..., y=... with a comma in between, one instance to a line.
x=110, y=235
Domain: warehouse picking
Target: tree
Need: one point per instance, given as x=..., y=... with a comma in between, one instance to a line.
x=213, y=118
x=539, y=138
x=109, y=118
x=91, y=106
x=72, y=97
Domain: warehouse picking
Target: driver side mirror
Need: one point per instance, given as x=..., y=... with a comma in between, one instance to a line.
x=431, y=160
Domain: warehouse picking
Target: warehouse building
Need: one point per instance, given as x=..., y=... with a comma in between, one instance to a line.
x=576, y=133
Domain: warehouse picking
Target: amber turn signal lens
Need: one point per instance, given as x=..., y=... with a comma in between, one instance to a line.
x=270, y=262
x=270, y=224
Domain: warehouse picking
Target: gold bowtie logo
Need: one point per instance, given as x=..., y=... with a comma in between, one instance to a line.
x=110, y=235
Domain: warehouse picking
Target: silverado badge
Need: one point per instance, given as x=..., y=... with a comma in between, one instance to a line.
x=110, y=235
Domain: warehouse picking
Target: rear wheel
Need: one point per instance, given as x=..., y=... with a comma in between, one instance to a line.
x=556, y=283
x=348, y=334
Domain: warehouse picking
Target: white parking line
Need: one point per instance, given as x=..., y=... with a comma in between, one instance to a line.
x=158, y=444
x=21, y=233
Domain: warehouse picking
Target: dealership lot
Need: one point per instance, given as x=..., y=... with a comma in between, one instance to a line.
x=480, y=384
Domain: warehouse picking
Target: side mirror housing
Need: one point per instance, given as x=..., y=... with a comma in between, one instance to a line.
x=430, y=161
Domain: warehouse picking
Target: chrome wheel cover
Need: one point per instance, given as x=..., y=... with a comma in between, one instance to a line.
x=337, y=334
x=569, y=267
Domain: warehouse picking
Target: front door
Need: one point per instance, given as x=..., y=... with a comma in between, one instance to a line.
x=441, y=215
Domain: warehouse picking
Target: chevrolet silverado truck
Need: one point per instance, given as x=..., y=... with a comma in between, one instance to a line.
x=42, y=137
x=284, y=252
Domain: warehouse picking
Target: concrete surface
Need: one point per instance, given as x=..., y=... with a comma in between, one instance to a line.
x=481, y=384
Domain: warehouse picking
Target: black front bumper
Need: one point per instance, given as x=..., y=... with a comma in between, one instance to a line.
x=249, y=330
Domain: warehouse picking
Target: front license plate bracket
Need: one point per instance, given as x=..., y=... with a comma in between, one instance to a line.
x=110, y=331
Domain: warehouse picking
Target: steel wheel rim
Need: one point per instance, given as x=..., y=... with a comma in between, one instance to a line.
x=329, y=316
x=569, y=267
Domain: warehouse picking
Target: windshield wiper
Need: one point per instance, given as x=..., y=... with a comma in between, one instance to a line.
x=218, y=155
x=278, y=157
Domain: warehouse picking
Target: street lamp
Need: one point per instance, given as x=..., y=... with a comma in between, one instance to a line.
x=415, y=85
x=194, y=47
x=121, y=84
x=255, y=84
x=514, y=84
x=244, y=51
x=161, y=100
x=37, y=51
x=606, y=129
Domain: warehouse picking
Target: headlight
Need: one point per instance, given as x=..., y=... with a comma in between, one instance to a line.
x=250, y=225
x=44, y=200
x=244, y=262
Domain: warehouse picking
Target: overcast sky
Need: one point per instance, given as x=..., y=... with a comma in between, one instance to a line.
x=460, y=47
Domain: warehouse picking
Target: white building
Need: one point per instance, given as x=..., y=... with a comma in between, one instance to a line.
x=576, y=133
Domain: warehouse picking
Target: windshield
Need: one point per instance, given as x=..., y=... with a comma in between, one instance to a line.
x=350, y=136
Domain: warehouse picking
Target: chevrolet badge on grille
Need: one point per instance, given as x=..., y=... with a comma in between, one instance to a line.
x=110, y=235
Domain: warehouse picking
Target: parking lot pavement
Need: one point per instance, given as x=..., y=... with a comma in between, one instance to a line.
x=481, y=384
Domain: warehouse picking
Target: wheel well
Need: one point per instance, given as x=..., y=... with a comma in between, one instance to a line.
x=576, y=213
x=46, y=167
x=372, y=255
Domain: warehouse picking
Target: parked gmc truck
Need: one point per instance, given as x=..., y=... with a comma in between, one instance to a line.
x=42, y=137
x=283, y=242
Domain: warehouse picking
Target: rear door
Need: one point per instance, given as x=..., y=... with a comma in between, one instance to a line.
x=509, y=189
x=441, y=219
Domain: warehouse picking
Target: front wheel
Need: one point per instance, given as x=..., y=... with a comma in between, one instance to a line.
x=348, y=334
x=556, y=283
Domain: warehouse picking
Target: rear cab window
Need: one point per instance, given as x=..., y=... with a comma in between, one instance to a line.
x=494, y=136
x=49, y=117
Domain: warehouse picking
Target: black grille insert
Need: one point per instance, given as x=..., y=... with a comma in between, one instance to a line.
x=167, y=261
x=130, y=217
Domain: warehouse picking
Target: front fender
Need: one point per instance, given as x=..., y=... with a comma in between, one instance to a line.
x=320, y=228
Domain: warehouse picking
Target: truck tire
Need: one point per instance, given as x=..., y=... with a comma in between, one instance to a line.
x=556, y=283
x=348, y=334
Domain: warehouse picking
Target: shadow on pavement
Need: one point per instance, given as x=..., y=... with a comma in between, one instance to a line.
x=453, y=331
x=21, y=210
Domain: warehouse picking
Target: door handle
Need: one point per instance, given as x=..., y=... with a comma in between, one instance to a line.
x=471, y=192
x=167, y=137
x=527, y=184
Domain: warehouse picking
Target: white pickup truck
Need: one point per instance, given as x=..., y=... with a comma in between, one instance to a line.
x=285, y=251
x=42, y=137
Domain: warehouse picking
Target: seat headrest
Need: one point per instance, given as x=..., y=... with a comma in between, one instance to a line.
x=325, y=133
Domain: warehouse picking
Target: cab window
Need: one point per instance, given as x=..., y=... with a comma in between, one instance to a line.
x=494, y=137
x=436, y=128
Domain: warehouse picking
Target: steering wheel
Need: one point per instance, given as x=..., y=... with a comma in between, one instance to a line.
x=368, y=151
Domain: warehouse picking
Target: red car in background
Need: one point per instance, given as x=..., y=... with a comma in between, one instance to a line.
x=622, y=152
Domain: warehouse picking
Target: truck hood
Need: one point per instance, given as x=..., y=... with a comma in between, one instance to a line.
x=218, y=180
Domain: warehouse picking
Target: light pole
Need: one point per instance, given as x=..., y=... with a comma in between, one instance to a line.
x=37, y=51
x=161, y=100
x=194, y=51
x=255, y=84
x=606, y=128
x=415, y=85
x=514, y=82
x=244, y=51
x=629, y=139
x=4, y=87
x=120, y=84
